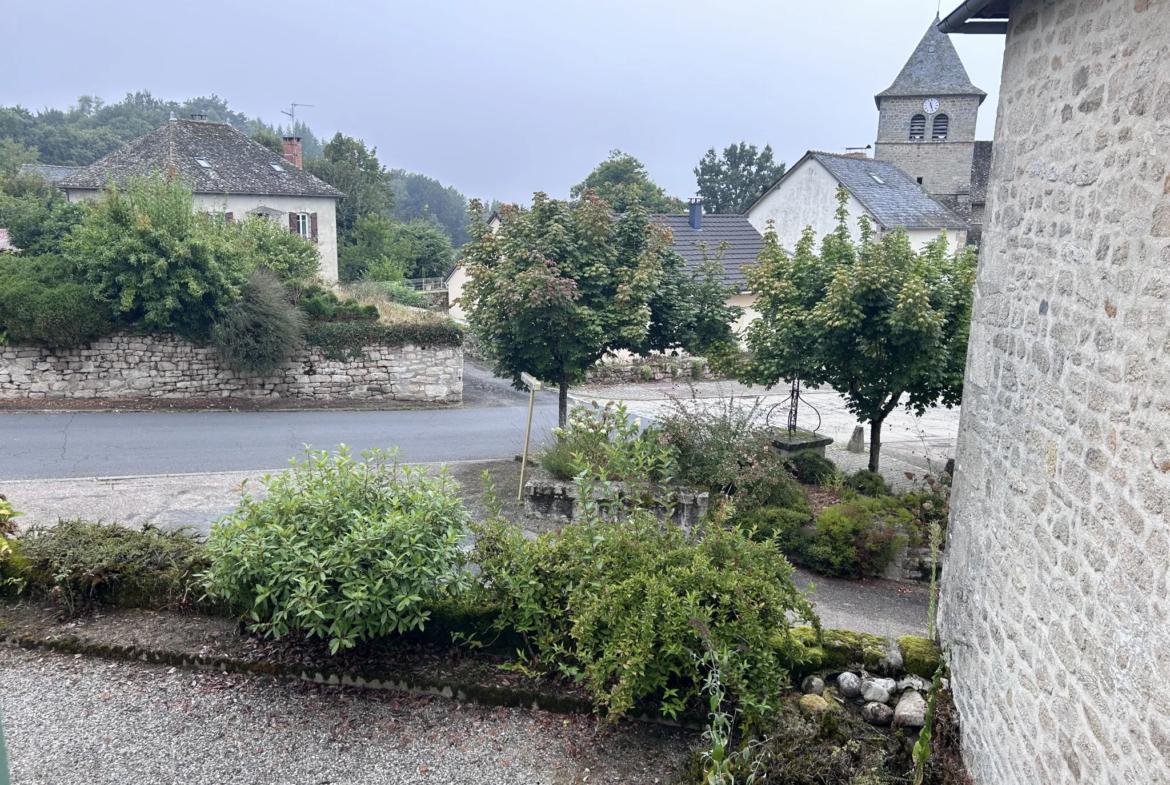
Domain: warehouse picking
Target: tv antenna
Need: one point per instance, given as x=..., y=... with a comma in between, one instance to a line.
x=292, y=113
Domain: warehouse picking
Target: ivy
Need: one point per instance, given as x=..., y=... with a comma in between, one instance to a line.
x=345, y=340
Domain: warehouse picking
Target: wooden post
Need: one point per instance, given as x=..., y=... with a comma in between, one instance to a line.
x=533, y=386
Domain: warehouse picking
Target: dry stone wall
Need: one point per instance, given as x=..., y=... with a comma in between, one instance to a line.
x=129, y=366
x=1056, y=598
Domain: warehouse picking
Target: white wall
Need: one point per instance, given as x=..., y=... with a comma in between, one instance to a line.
x=240, y=204
x=454, y=293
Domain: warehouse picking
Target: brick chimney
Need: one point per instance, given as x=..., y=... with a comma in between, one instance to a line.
x=292, y=150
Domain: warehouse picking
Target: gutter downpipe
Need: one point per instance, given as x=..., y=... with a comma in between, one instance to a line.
x=957, y=20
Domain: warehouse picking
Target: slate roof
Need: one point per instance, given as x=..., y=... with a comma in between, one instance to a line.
x=893, y=199
x=934, y=69
x=51, y=174
x=237, y=164
x=980, y=171
x=745, y=243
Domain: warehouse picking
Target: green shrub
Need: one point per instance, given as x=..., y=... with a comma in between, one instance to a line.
x=783, y=527
x=857, y=539
x=812, y=468
x=344, y=340
x=11, y=561
x=340, y=549
x=270, y=246
x=605, y=443
x=404, y=295
x=647, y=373
x=711, y=442
x=697, y=369
x=629, y=607
x=868, y=483
x=81, y=563
x=44, y=301
x=322, y=305
x=262, y=331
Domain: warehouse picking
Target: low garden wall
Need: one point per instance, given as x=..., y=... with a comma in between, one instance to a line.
x=560, y=500
x=132, y=366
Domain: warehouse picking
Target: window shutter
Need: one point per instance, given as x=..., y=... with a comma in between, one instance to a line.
x=292, y=223
x=313, y=226
x=228, y=217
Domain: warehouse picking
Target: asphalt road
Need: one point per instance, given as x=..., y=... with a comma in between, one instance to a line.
x=97, y=444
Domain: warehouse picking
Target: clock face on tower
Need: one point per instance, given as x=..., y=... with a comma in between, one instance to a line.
x=930, y=105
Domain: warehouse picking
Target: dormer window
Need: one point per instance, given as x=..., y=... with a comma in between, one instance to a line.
x=939, y=132
x=917, y=128
x=276, y=167
x=203, y=163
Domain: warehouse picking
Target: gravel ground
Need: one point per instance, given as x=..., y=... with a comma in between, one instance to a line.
x=76, y=720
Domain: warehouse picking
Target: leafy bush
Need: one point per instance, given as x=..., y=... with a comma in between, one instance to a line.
x=711, y=442
x=857, y=539
x=340, y=549
x=812, y=468
x=404, y=295
x=630, y=607
x=868, y=483
x=43, y=302
x=322, y=305
x=783, y=527
x=11, y=564
x=81, y=563
x=270, y=246
x=36, y=214
x=605, y=443
x=261, y=331
x=344, y=340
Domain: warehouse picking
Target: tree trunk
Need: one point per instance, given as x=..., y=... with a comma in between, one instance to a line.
x=563, y=402
x=875, y=444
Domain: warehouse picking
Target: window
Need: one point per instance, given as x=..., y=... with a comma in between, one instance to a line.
x=303, y=225
x=276, y=167
x=917, y=128
x=919, y=179
x=877, y=179
x=939, y=132
x=203, y=162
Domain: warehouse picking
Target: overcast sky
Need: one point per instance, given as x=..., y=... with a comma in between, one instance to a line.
x=506, y=97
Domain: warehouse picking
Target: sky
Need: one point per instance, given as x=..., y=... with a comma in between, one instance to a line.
x=507, y=97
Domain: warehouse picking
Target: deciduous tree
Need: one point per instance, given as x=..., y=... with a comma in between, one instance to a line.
x=880, y=324
x=622, y=181
x=348, y=165
x=729, y=184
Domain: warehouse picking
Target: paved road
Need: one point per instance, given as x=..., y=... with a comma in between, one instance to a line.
x=92, y=444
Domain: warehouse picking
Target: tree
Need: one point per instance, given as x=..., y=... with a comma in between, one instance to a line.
x=880, y=324
x=561, y=284
x=157, y=261
x=622, y=181
x=689, y=309
x=371, y=243
x=13, y=155
x=268, y=245
x=730, y=184
x=269, y=139
x=424, y=249
x=421, y=198
x=36, y=214
x=349, y=166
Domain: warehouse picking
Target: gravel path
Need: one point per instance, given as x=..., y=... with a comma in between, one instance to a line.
x=74, y=720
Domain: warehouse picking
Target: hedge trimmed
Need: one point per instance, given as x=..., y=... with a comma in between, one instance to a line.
x=344, y=340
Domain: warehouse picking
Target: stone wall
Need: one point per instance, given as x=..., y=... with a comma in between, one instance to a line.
x=129, y=366
x=945, y=167
x=1056, y=598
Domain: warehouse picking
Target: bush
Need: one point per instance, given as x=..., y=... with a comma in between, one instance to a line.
x=339, y=549
x=11, y=562
x=322, y=305
x=868, y=483
x=630, y=608
x=42, y=302
x=781, y=526
x=712, y=442
x=857, y=539
x=404, y=295
x=262, y=331
x=344, y=340
x=82, y=563
x=812, y=468
x=605, y=443
x=270, y=246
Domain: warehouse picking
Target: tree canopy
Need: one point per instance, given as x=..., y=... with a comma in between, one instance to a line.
x=729, y=184
x=622, y=181
x=348, y=165
x=689, y=309
x=421, y=198
x=879, y=323
x=560, y=285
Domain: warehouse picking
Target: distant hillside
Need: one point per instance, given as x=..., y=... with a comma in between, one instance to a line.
x=92, y=128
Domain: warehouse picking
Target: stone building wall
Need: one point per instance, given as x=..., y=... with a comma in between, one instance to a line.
x=1056, y=599
x=945, y=167
x=129, y=366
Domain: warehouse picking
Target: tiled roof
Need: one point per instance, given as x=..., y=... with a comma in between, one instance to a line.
x=933, y=69
x=888, y=193
x=51, y=174
x=236, y=164
x=980, y=171
x=744, y=243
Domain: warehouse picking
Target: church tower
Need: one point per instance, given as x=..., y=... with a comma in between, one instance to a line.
x=926, y=124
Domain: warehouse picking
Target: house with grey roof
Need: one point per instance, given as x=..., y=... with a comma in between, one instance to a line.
x=229, y=174
x=50, y=174
x=807, y=196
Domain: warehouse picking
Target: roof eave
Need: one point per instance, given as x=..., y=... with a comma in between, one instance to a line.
x=958, y=21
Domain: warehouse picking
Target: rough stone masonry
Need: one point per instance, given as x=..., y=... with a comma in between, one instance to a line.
x=128, y=366
x=1056, y=599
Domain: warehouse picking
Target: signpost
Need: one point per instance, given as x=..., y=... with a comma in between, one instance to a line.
x=533, y=386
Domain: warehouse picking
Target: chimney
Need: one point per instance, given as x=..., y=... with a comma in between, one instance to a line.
x=198, y=117
x=292, y=150
x=858, y=152
x=696, y=216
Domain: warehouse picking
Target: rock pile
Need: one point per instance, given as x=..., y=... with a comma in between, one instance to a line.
x=884, y=702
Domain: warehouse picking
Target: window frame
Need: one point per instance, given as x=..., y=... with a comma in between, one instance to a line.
x=946, y=127
x=921, y=135
x=304, y=225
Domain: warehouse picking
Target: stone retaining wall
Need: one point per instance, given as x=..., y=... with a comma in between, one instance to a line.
x=130, y=366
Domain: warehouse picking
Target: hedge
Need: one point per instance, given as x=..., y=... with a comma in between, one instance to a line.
x=344, y=340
